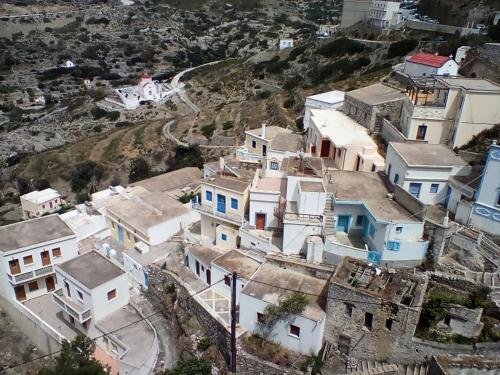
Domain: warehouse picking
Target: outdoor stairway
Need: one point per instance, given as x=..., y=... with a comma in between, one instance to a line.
x=412, y=369
x=375, y=368
x=328, y=214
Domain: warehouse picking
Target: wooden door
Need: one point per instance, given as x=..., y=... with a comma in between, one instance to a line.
x=45, y=258
x=325, y=148
x=15, y=268
x=50, y=283
x=260, y=221
x=20, y=293
x=422, y=130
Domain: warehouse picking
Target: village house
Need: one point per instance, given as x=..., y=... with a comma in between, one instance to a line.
x=302, y=332
x=345, y=143
x=372, y=312
x=38, y=203
x=384, y=14
x=95, y=300
x=449, y=110
x=427, y=65
x=30, y=250
x=146, y=91
x=326, y=100
x=424, y=170
x=285, y=43
x=199, y=260
x=369, y=105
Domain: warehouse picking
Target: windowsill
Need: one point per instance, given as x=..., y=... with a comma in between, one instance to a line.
x=294, y=336
x=111, y=300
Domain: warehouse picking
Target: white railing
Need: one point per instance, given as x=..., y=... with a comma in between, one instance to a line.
x=243, y=155
x=25, y=276
x=82, y=315
x=213, y=212
x=38, y=321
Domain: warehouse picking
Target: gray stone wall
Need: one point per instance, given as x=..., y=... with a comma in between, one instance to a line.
x=454, y=281
x=370, y=116
x=319, y=271
x=463, y=321
x=383, y=341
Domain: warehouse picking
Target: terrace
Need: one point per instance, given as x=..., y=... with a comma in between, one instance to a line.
x=428, y=92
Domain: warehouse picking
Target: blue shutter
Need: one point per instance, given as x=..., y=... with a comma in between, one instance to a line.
x=208, y=196
x=234, y=203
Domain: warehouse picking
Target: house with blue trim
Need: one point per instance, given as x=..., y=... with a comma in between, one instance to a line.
x=485, y=214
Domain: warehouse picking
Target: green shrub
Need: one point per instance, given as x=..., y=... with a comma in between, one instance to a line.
x=192, y=366
x=401, y=48
x=208, y=130
x=264, y=94
x=203, y=344
x=340, y=47
x=228, y=125
x=98, y=113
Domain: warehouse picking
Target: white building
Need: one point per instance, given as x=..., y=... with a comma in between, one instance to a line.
x=146, y=91
x=424, y=170
x=327, y=31
x=461, y=54
x=345, y=143
x=285, y=43
x=94, y=299
x=37, y=203
x=384, y=14
x=68, y=64
x=29, y=251
x=326, y=100
x=301, y=333
x=485, y=213
x=428, y=65
x=199, y=261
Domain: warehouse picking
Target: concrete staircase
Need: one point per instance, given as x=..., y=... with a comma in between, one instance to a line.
x=328, y=215
x=489, y=279
x=412, y=369
x=374, y=368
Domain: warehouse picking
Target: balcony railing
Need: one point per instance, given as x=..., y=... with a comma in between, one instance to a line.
x=25, y=276
x=236, y=219
x=80, y=313
x=243, y=155
x=292, y=216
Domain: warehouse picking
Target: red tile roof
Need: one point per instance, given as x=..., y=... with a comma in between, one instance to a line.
x=429, y=59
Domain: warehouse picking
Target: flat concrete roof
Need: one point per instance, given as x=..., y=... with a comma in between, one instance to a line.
x=272, y=284
x=230, y=183
x=288, y=142
x=204, y=254
x=340, y=128
x=330, y=97
x=473, y=84
x=41, y=196
x=400, y=287
x=307, y=167
x=271, y=184
x=171, y=180
x=32, y=232
x=142, y=209
x=236, y=261
x=376, y=94
x=312, y=186
x=271, y=132
x=91, y=269
x=426, y=154
x=370, y=188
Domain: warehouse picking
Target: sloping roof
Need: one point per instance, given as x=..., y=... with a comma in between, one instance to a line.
x=330, y=97
x=32, y=232
x=91, y=269
x=171, y=180
x=432, y=155
x=429, y=59
x=271, y=284
x=236, y=261
x=230, y=183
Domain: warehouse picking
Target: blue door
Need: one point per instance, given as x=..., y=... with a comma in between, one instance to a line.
x=447, y=200
x=120, y=234
x=366, y=225
x=415, y=189
x=221, y=203
x=374, y=257
x=343, y=223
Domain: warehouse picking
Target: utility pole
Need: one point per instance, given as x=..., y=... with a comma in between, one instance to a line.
x=232, y=363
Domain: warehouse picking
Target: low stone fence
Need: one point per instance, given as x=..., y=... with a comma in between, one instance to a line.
x=454, y=281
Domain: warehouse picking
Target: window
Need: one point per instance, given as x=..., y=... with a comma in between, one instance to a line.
x=294, y=330
x=68, y=291
x=111, y=294
x=393, y=245
x=348, y=309
x=223, y=237
x=234, y=203
x=388, y=324
x=56, y=252
x=275, y=166
x=415, y=189
x=254, y=144
x=389, y=170
x=28, y=259
x=33, y=286
x=15, y=268
x=396, y=178
x=434, y=188
x=227, y=280
x=80, y=295
x=261, y=318
x=208, y=196
x=359, y=220
x=399, y=230
x=45, y=258
x=368, y=321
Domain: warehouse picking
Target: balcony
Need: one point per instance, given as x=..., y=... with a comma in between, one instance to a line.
x=26, y=276
x=234, y=219
x=304, y=218
x=244, y=155
x=77, y=311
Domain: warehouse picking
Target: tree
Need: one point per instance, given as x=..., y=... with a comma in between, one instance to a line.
x=76, y=359
x=85, y=173
x=185, y=157
x=139, y=170
x=191, y=366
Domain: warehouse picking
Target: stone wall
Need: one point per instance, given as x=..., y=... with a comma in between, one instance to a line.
x=437, y=236
x=454, y=281
x=319, y=271
x=370, y=116
x=463, y=321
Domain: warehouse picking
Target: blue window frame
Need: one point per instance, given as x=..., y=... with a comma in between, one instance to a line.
x=234, y=203
x=415, y=189
x=372, y=230
x=359, y=220
x=434, y=188
x=254, y=144
x=274, y=165
x=393, y=245
x=208, y=196
x=223, y=237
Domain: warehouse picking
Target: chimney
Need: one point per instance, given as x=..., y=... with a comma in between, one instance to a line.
x=263, y=132
x=221, y=165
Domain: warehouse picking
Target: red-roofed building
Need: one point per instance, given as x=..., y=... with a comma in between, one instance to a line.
x=428, y=64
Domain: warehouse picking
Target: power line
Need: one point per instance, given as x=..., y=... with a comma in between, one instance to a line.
x=115, y=330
